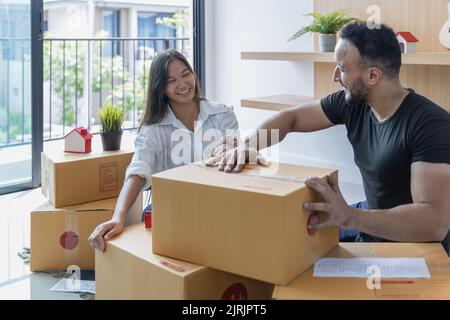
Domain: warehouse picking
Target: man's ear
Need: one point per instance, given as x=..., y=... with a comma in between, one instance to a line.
x=374, y=75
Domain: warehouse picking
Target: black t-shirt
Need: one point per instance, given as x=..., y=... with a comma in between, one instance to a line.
x=384, y=151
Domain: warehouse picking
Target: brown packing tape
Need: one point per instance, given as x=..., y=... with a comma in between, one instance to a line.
x=293, y=179
x=70, y=238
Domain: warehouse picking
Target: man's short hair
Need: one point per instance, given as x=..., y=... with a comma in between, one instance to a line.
x=377, y=46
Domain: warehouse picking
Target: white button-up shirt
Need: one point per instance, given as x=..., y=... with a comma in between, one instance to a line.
x=169, y=144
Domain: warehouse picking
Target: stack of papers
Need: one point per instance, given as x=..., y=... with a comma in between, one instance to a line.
x=366, y=267
x=71, y=285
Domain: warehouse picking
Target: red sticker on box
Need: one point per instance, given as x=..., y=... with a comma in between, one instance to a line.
x=172, y=266
x=313, y=219
x=383, y=282
x=69, y=240
x=236, y=291
x=148, y=219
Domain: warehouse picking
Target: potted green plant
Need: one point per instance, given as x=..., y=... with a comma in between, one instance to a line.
x=327, y=26
x=111, y=119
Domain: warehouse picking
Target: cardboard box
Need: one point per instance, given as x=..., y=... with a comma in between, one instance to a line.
x=242, y=223
x=307, y=287
x=69, y=179
x=59, y=237
x=129, y=270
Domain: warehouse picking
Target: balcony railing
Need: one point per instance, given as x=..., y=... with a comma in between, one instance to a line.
x=80, y=77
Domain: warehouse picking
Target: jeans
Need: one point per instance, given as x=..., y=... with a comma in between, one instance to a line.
x=355, y=235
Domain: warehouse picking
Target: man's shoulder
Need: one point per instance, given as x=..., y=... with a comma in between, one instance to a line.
x=421, y=107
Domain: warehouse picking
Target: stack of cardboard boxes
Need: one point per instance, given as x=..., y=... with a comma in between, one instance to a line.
x=82, y=191
x=233, y=236
x=128, y=269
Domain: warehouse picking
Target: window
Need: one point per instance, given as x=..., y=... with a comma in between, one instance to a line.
x=111, y=24
x=45, y=22
x=14, y=25
x=149, y=28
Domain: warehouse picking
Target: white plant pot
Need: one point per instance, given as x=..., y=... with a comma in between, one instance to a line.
x=327, y=42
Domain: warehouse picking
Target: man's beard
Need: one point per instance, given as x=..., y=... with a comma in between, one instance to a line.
x=358, y=94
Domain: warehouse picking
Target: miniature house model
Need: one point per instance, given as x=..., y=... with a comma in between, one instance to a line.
x=408, y=42
x=78, y=141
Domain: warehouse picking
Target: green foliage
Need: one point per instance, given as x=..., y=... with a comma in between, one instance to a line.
x=67, y=74
x=111, y=118
x=128, y=95
x=325, y=24
x=179, y=18
x=14, y=125
x=106, y=76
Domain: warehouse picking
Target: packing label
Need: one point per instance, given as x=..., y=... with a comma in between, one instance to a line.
x=108, y=177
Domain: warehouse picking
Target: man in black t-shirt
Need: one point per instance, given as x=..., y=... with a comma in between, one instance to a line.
x=400, y=139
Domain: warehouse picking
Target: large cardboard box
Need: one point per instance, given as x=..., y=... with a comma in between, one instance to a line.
x=59, y=236
x=69, y=179
x=307, y=287
x=245, y=223
x=129, y=270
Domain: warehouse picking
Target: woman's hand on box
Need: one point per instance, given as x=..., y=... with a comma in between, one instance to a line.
x=105, y=232
x=339, y=214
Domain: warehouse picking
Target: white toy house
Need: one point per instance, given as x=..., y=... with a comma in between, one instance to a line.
x=408, y=42
x=78, y=141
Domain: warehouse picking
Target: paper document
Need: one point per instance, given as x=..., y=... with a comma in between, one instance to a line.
x=366, y=267
x=70, y=285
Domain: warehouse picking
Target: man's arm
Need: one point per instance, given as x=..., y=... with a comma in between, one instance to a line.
x=426, y=219
x=306, y=118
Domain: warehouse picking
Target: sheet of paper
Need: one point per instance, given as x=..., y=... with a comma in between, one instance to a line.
x=70, y=285
x=366, y=267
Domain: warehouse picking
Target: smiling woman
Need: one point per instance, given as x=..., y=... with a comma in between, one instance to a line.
x=176, y=115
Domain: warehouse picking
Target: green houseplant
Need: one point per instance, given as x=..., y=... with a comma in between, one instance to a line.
x=327, y=26
x=111, y=120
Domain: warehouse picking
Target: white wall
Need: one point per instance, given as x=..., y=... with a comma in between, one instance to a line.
x=69, y=22
x=251, y=25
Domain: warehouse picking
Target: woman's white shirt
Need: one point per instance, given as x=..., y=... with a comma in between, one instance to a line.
x=169, y=144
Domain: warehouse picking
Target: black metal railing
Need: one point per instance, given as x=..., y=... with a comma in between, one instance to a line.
x=81, y=76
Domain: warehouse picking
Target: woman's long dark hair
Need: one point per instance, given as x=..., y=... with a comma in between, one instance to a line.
x=157, y=101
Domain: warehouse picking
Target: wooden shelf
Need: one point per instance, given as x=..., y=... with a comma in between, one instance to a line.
x=275, y=103
x=420, y=58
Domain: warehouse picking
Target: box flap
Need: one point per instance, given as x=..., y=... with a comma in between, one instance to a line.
x=106, y=204
x=62, y=157
x=286, y=179
x=137, y=241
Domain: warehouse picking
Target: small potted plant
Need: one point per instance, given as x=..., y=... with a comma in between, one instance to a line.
x=111, y=119
x=327, y=26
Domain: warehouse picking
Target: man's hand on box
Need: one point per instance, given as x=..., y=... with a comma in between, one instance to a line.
x=103, y=233
x=219, y=151
x=235, y=160
x=339, y=214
